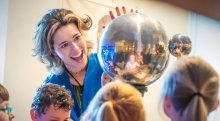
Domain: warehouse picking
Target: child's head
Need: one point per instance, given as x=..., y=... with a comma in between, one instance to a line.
x=132, y=58
x=4, y=95
x=116, y=101
x=51, y=102
x=4, y=102
x=191, y=90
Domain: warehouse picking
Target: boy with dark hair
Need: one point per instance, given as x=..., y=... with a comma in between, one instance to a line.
x=51, y=102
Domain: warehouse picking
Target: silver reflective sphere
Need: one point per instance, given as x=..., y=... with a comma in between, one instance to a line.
x=133, y=48
x=180, y=45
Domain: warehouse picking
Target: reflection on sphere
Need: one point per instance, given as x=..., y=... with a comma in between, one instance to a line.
x=133, y=48
x=180, y=45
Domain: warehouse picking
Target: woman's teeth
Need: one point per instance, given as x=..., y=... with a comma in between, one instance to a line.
x=78, y=57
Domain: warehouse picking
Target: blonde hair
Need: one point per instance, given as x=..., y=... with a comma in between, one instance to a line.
x=45, y=30
x=192, y=86
x=116, y=101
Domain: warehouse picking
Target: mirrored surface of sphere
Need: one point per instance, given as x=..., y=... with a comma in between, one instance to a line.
x=180, y=45
x=134, y=48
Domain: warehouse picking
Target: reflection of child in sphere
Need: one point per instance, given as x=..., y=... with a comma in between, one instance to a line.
x=131, y=64
x=179, y=51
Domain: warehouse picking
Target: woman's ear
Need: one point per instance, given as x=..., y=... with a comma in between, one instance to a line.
x=53, y=53
x=33, y=114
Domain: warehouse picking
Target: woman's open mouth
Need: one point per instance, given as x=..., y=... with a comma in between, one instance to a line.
x=78, y=57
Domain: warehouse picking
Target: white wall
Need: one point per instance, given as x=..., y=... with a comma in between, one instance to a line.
x=3, y=33
x=23, y=73
x=206, y=40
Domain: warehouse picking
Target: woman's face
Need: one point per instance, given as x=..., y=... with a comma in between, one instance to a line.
x=70, y=47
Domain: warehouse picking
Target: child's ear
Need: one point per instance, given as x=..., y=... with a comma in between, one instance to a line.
x=167, y=105
x=215, y=106
x=170, y=110
x=33, y=114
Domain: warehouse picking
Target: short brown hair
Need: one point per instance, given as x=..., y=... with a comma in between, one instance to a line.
x=52, y=94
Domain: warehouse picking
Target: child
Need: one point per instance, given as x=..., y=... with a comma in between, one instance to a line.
x=116, y=101
x=191, y=90
x=52, y=102
x=4, y=105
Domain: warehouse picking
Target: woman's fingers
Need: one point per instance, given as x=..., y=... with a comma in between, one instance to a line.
x=118, y=11
x=123, y=9
x=111, y=15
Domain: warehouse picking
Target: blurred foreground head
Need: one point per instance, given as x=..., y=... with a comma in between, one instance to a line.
x=190, y=92
x=116, y=101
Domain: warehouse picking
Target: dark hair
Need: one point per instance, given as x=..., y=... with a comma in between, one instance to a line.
x=52, y=94
x=4, y=95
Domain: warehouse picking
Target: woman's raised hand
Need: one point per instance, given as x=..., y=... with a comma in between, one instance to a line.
x=120, y=12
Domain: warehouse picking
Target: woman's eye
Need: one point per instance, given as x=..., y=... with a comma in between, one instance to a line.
x=77, y=38
x=64, y=45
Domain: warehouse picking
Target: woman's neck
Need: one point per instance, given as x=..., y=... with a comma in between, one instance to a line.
x=77, y=78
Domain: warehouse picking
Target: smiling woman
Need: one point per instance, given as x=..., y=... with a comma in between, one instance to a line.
x=22, y=74
x=59, y=42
